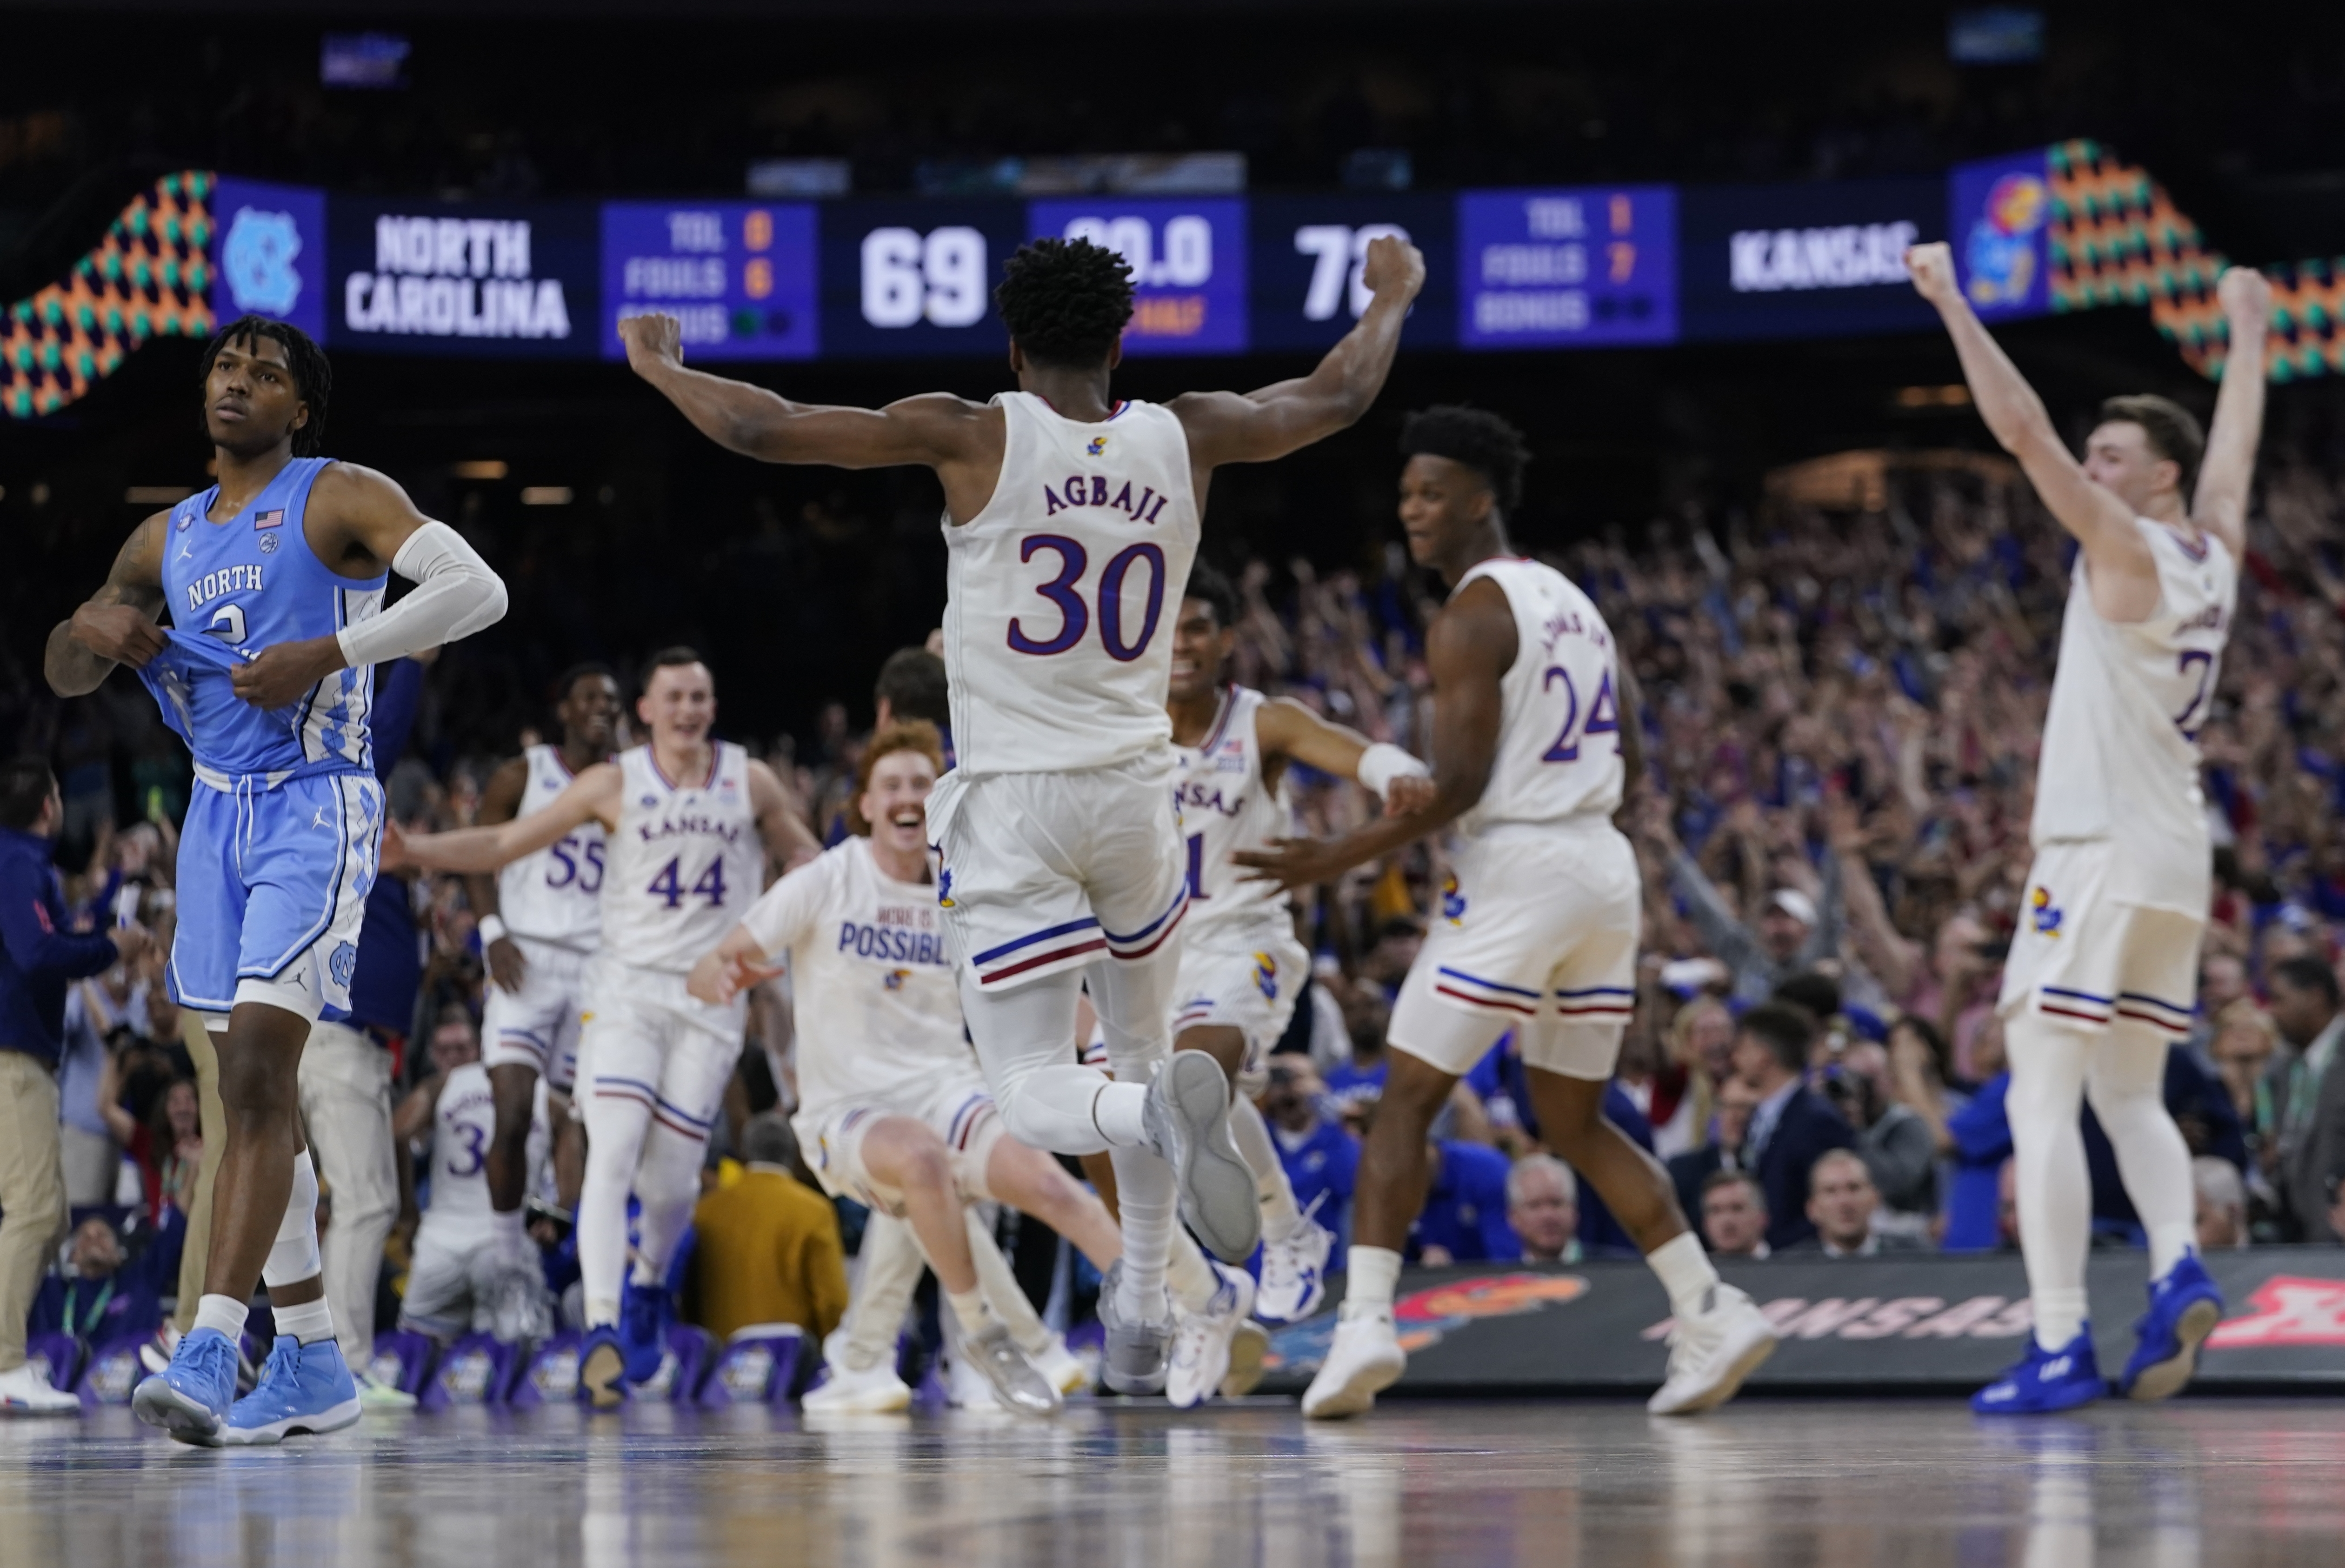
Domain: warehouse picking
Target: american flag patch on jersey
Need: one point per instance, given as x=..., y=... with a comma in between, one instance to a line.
x=273, y=518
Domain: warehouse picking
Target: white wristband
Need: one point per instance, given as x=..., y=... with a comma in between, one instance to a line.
x=1383, y=762
x=492, y=931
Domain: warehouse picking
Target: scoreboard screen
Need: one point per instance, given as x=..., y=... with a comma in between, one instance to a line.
x=1566, y=268
x=737, y=275
x=1188, y=260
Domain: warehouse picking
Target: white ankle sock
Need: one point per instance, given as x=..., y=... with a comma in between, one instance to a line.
x=1685, y=1272
x=1280, y=1217
x=225, y=1313
x=1193, y=1281
x=308, y=1322
x=1117, y=1112
x=970, y=1311
x=1371, y=1275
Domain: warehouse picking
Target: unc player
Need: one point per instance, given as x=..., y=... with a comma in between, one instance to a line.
x=2103, y=977
x=1070, y=520
x=1535, y=739
x=691, y=821
x=541, y=919
x=1240, y=965
x=273, y=579
x=893, y=1110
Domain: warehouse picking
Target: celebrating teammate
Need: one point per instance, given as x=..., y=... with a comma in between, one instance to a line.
x=541, y=920
x=692, y=821
x=1070, y=517
x=274, y=580
x=2104, y=974
x=892, y=1110
x=1535, y=739
x=1241, y=965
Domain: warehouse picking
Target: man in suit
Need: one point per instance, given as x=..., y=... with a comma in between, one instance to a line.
x=2308, y=1095
x=1722, y=1150
x=1792, y=1126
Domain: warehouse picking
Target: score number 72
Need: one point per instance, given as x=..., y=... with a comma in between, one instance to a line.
x=1336, y=248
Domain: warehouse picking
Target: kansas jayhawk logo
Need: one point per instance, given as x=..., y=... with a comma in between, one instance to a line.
x=896, y=979
x=2044, y=914
x=1097, y=445
x=1453, y=901
x=1265, y=977
x=944, y=889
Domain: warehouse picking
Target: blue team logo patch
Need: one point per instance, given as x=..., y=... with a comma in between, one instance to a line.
x=944, y=888
x=1265, y=977
x=2042, y=913
x=257, y=256
x=343, y=964
x=1096, y=445
x=268, y=544
x=896, y=979
x=1453, y=900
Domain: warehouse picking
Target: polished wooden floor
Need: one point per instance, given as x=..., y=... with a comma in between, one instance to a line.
x=1764, y=1483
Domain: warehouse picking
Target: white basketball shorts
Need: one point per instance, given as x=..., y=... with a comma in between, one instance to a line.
x=955, y=1106
x=2083, y=959
x=645, y=1038
x=537, y=1026
x=1249, y=986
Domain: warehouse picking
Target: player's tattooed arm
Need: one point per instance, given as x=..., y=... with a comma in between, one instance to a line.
x=500, y=804
x=2123, y=572
x=1468, y=649
x=118, y=626
x=1273, y=420
x=2220, y=506
x=1289, y=732
x=593, y=796
x=780, y=823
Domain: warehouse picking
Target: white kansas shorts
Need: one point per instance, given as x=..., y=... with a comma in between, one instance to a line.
x=955, y=1106
x=645, y=1038
x=1229, y=981
x=537, y=1026
x=2085, y=959
x=461, y=1281
x=1536, y=932
x=1043, y=873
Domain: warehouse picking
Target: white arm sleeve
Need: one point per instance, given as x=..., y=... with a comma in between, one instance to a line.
x=455, y=595
x=1383, y=762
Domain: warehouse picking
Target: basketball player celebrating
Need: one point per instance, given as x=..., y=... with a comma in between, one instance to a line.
x=1071, y=518
x=1241, y=965
x=1535, y=739
x=541, y=919
x=691, y=821
x=2103, y=974
x=892, y=1110
x=274, y=580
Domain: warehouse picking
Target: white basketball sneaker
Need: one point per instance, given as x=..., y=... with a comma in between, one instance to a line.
x=875, y=1390
x=1061, y=1367
x=1712, y=1351
x=1364, y=1360
x=1295, y=1272
x=26, y=1391
x=1202, y=1341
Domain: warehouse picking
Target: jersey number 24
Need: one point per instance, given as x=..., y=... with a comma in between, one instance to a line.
x=1603, y=717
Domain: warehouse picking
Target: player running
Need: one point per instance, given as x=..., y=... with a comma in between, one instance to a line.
x=692, y=821
x=274, y=580
x=893, y=1110
x=2103, y=974
x=1535, y=739
x=1072, y=518
x=541, y=920
x=1242, y=968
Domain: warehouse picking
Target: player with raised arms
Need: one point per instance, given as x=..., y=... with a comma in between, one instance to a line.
x=541, y=921
x=273, y=579
x=2103, y=974
x=893, y=1110
x=1071, y=522
x=1535, y=740
x=692, y=821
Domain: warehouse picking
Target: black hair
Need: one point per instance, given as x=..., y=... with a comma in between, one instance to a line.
x=1476, y=437
x=1783, y=1028
x=2173, y=432
x=1208, y=585
x=2302, y=974
x=567, y=681
x=912, y=682
x=1819, y=993
x=25, y=785
x=1065, y=302
x=313, y=375
x=670, y=659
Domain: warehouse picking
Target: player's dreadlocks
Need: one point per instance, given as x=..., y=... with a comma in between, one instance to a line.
x=1065, y=302
x=1480, y=440
x=312, y=376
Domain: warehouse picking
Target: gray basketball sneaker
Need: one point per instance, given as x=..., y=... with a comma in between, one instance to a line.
x=1188, y=1122
x=1017, y=1386
x=1137, y=1355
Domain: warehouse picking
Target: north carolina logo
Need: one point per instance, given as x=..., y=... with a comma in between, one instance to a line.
x=2000, y=251
x=256, y=258
x=343, y=964
x=1265, y=977
x=1453, y=901
x=1096, y=445
x=2042, y=913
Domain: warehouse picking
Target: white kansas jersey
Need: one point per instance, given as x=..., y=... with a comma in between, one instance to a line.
x=874, y=994
x=685, y=861
x=551, y=895
x=1559, y=730
x=1226, y=806
x=2120, y=758
x=463, y=1125
x=1060, y=594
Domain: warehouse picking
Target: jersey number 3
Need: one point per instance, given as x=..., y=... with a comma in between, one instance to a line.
x=669, y=884
x=1603, y=717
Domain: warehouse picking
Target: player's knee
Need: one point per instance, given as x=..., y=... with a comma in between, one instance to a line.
x=1226, y=1047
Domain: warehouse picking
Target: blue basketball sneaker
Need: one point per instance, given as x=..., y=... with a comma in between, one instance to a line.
x=302, y=1387
x=2046, y=1381
x=603, y=1368
x=2184, y=1307
x=644, y=1314
x=190, y=1398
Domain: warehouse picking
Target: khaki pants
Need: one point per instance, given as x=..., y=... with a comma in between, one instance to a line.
x=212, y=1120
x=31, y=1193
x=346, y=1105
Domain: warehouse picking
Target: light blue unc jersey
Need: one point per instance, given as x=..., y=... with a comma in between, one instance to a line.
x=236, y=586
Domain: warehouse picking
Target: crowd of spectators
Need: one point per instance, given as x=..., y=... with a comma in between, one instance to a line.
x=1843, y=712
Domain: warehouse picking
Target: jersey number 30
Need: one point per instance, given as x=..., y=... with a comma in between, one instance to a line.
x=1074, y=615
x=1603, y=715
x=669, y=884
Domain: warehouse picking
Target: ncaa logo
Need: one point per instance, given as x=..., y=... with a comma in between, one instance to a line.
x=256, y=258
